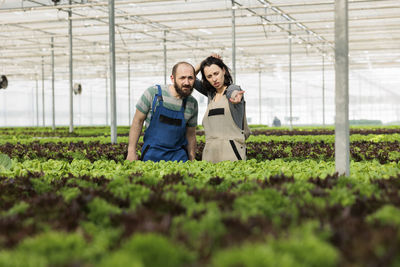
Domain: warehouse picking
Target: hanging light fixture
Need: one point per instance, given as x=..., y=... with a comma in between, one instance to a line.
x=55, y=2
x=3, y=82
x=77, y=89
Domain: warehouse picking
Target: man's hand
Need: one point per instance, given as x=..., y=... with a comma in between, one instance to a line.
x=132, y=156
x=134, y=134
x=236, y=97
x=192, y=143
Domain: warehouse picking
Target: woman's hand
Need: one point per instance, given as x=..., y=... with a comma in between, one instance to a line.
x=216, y=56
x=197, y=67
x=236, y=97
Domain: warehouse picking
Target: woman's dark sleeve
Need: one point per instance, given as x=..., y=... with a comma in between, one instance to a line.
x=231, y=88
x=198, y=85
x=237, y=110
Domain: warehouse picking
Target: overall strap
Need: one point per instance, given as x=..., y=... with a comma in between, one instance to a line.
x=183, y=104
x=158, y=97
x=159, y=93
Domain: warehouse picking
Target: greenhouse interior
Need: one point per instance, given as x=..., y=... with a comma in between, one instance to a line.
x=279, y=47
x=304, y=170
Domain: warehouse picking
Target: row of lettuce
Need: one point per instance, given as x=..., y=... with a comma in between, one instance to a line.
x=267, y=149
x=14, y=139
x=93, y=131
x=269, y=213
x=267, y=144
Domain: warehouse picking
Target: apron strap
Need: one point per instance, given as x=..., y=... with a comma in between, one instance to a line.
x=158, y=97
x=235, y=150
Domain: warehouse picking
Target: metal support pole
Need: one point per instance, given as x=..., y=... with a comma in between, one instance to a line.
x=111, y=9
x=398, y=112
x=342, y=142
x=106, y=96
x=71, y=73
x=290, y=78
x=37, y=102
x=4, y=109
x=359, y=98
x=79, y=111
x=165, y=57
x=259, y=95
x=323, y=89
x=43, y=109
x=52, y=86
x=91, y=106
x=233, y=42
x=129, y=89
x=33, y=106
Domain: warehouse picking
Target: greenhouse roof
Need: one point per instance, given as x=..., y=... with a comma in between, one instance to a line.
x=190, y=30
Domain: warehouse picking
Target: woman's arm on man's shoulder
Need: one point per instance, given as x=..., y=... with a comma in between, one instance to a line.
x=198, y=85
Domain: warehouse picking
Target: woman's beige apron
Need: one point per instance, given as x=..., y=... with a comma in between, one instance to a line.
x=224, y=139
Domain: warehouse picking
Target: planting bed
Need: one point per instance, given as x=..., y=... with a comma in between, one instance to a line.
x=78, y=203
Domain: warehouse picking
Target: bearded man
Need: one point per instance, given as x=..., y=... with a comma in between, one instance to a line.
x=170, y=113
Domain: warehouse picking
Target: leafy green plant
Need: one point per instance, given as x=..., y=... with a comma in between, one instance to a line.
x=18, y=208
x=19, y=259
x=69, y=193
x=122, y=188
x=308, y=245
x=251, y=255
x=341, y=196
x=102, y=240
x=5, y=161
x=303, y=247
x=386, y=215
x=47, y=249
x=152, y=250
x=100, y=211
x=121, y=259
x=300, y=192
x=267, y=202
x=394, y=155
x=204, y=232
x=41, y=186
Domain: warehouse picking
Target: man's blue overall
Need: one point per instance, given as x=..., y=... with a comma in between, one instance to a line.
x=165, y=138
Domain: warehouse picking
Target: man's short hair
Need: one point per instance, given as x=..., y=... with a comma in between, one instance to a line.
x=181, y=63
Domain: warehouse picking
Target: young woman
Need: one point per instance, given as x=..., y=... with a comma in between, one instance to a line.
x=224, y=122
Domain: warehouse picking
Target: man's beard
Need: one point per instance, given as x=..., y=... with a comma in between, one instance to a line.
x=180, y=92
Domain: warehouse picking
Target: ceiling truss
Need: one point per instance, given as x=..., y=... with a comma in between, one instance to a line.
x=193, y=30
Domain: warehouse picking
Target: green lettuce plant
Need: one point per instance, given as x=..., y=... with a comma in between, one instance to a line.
x=303, y=247
x=46, y=249
x=149, y=250
x=5, y=161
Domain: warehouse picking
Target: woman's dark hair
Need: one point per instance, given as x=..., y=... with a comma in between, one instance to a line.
x=208, y=62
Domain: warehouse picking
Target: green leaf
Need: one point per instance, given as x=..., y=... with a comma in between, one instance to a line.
x=100, y=211
x=386, y=215
x=69, y=193
x=5, y=161
x=156, y=250
x=18, y=208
